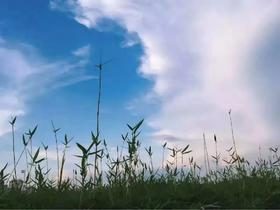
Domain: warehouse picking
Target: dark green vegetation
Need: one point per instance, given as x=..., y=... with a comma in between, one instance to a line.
x=129, y=182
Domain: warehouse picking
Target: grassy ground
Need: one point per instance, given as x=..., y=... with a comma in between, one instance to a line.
x=129, y=182
x=244, y=193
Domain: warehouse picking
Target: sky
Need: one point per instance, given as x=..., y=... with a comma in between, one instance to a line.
x=180, y=65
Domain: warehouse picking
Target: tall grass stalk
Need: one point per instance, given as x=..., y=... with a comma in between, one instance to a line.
x=232, y=134
x=260, y=152
x=100, y=69
x=217, y=156
x=12, y=123
x=163, y=152
x=216, y=152
x=46, y=156
x=206, y=156
x=55, y=131
x=99, y=66
x=150, y=153
x=30, y=134
x=63, y=159
x=99, y=98
x=96, y=142
x=25, y=143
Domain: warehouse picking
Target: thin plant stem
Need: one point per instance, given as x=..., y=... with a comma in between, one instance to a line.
x=95, y=166
x=47, y=162
x=232, y=134
x=99, y=100
x=14, y=155
x=206, y=156
x=162, y=163
x=24, y=150
x=216, y=152
x=97, y=120
x=26, y=159
x=56, y=144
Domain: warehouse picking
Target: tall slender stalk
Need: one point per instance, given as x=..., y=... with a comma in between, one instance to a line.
x=55, y=131
x=206, y=156
x=97, y=125
x=25, y=143
x=163, y=151
x=216, y=152
x=30, y=136
x=184, y=152
x=99, y=100
x=100, y=68
x=149, y=151
x=232, y=134
x=260, y=152
x=96, y=155
x=12, y=122
x=46, y=158
x=66, y=145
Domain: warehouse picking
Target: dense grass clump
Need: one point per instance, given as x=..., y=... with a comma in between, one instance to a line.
x=126, y=181
x=248, y=193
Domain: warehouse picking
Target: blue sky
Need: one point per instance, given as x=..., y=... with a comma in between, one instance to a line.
x=56, y=36
x=179, y=64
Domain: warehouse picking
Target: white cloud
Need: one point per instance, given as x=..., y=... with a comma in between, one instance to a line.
x=24, y=74
x=82, y=52
x=200, y=55
x=131, y=40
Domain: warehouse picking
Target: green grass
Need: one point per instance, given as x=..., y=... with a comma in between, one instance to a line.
x=130, y=182
x=248, y=193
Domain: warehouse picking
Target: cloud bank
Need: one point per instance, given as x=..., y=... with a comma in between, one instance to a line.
x=24, y=74
x=201, y=56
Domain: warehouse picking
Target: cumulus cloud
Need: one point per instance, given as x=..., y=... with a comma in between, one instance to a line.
x=24, y=74
x=201, y=57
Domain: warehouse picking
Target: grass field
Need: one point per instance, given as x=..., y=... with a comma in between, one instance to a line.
x=130, y=182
